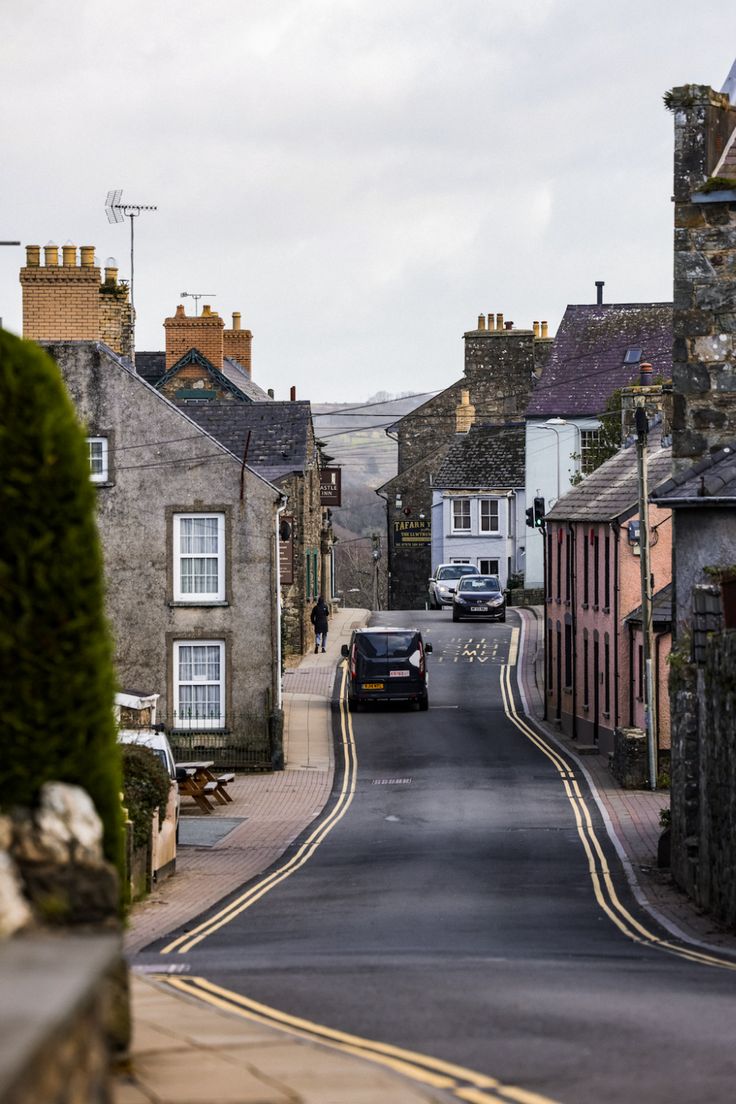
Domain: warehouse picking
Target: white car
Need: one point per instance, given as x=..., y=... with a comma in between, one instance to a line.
x=164, y=840
x=443, y=581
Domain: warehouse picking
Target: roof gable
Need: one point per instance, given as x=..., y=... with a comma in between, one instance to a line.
x=193, y=356
x=588, y=358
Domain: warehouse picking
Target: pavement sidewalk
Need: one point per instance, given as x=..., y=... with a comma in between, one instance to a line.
x=185, y=1052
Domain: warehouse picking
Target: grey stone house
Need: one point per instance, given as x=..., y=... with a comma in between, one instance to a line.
x=278, y=440
x=217, y=391
x=190, y=543
x=500, y=366
x=702, y=496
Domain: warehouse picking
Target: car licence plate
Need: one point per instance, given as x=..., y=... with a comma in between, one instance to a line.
x=373, y=686
x=479, y=609
x=399, y=674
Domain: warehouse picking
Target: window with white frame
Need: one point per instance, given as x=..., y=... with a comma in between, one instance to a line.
x=199, y=557
x=461, y=515
x=98, y=465
x=199, y=684
x=488, y=567
x=489, y=515
x=590, y=440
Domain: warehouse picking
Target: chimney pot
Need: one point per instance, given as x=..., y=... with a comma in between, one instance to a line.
x=508, y=325
x=491, y=323
x=599, y=292
x=481, y=321
x=87, y=256
x=206, y=310
x=645, y=374
x=69, y=255
x=33, y=256
x=51, y=255
x=545, y=329
x=292, y=394
x=236, y=320
x=111, y=274
x=535, y=327
x=499, y=321
x=271, y=393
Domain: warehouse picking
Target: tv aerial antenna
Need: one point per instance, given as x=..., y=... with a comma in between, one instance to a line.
x=196, y=296
x=117, y=212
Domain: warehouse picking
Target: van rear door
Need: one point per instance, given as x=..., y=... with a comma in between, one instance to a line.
x=388, y=661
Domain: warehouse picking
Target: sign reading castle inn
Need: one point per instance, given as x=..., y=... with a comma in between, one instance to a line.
x=330, y=487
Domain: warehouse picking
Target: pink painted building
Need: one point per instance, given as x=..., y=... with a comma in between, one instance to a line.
x=593, y=590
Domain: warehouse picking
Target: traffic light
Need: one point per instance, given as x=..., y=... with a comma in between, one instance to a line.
x=538, y=513
x=530, y=517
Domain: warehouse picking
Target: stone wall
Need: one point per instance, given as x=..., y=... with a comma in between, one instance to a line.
x=704, y=369
x=59, y=1018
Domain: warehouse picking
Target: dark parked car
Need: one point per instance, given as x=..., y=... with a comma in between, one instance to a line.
x=387, y=664
x=443, y=581
x=479, y=596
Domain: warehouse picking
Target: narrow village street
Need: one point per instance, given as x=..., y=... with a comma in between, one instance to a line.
x=465, y=917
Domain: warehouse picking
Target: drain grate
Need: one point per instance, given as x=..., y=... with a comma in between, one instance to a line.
x=391, y=781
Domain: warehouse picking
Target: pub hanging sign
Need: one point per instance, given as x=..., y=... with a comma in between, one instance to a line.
x=286, y=549
x=330, y=487
x=413, y=531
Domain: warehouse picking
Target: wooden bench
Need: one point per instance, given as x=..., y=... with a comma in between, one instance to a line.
x=223, y=781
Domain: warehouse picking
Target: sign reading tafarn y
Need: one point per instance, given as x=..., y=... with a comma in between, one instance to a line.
x=413, y=531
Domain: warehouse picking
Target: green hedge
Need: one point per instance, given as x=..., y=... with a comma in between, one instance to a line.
x=56, y=676
x=146, y=785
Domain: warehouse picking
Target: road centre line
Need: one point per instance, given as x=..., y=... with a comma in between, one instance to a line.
x=465, y=1084
x=600, y=875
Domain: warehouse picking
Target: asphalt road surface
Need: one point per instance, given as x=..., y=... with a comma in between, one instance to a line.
x=459, y=907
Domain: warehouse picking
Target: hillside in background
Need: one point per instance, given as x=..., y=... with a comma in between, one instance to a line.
x=354, y=434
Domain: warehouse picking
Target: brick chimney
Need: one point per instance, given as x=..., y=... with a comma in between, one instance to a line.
x=60, y=302
x=69, y=302
x=237, y=343
x=203, y=332
x=464, y=413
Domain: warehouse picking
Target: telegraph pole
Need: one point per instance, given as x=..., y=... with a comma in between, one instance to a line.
x=650, y=712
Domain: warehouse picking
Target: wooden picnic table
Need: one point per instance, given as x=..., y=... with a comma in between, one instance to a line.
x=202, y=784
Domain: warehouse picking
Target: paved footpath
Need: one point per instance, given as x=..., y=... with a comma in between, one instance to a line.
x=185, y=1052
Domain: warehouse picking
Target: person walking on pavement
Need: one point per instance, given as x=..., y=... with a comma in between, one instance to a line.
x=318, y=617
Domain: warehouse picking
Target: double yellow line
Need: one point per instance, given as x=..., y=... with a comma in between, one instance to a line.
x=600, y=875
x=463, y=1084
x=190, y=939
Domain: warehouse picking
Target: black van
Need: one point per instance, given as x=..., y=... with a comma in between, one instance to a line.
x=386, y=664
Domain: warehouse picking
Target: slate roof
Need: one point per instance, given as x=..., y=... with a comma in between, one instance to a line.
x=151, y=366
x=484, y=457
x=661, y=608
x=280, y=438
x=612, y=491
x=587, y=359
x=709, y=482
x=237, y=375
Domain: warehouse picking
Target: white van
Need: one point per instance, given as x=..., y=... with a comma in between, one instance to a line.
x=165, y=834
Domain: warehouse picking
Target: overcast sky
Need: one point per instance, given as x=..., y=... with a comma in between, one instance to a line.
x=360, y=178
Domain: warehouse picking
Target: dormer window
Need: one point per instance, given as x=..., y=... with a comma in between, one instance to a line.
x=98, y=459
